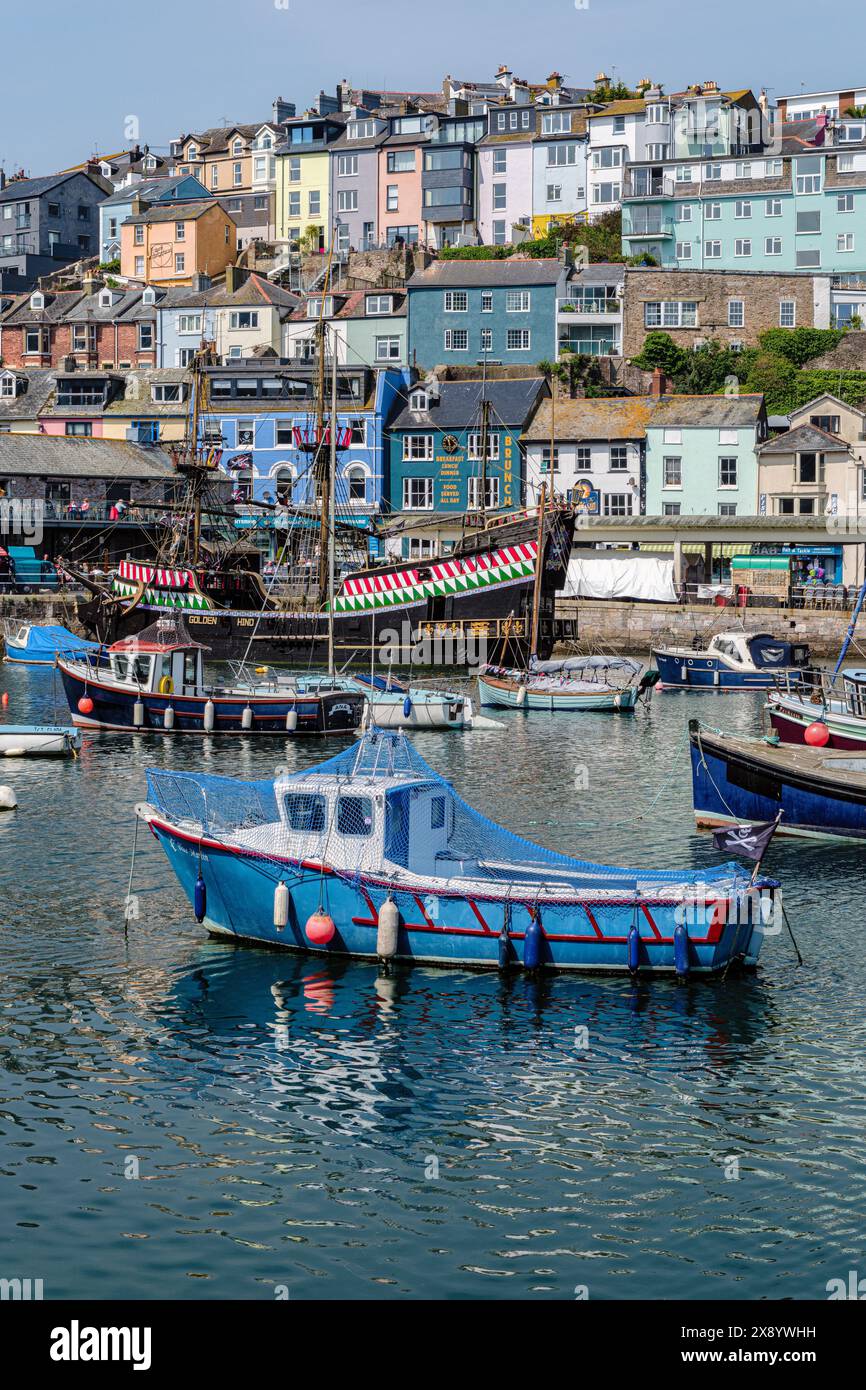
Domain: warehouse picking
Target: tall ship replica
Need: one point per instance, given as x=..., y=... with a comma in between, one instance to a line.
x=500, y=579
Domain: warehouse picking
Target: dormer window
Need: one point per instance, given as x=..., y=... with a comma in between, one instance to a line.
x=148, y=296
x=379, y=304
x=419, y=400
x=315, y=307
x=9, y=385
x=192, y=152
x=106, y=299
x=37, y=300
x=238, y=147
x=150, y=162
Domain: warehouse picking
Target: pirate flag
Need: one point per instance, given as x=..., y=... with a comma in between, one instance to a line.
x=749, y=840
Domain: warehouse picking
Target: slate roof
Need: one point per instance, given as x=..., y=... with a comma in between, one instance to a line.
x=808, y=438
x=57, y=306
x=58, y=456
x=34, y=188
x=149, y=188
x=512, y=270
x=215, y=140
x=354, y=307
x=255, y=292
x=602, y=417
x=707, y=412
x=460, y=401
x=176, y=212
x=27, y=405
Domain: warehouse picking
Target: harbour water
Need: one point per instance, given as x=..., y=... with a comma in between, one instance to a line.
x=181, y=1118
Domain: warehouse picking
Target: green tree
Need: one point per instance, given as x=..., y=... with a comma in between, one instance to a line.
x=660, y=350
x=774, y=376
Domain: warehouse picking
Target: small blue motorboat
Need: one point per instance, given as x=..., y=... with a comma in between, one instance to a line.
x=731, y=661
x=737, y=779
x=37, y=644
x=373, y=855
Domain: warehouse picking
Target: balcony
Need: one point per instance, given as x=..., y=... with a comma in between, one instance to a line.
x=648, y=183
x=590, y=308
x=592, y=341
x=649, y=227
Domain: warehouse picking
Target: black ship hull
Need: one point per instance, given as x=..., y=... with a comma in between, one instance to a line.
x=445, y=626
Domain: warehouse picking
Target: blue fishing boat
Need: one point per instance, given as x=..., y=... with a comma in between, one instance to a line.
x=735, y=779
x=373, y=855
x=156, y=681
x=37, y=644
x=731, y=661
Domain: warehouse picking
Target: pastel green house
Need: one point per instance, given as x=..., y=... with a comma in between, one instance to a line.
x=701, y=457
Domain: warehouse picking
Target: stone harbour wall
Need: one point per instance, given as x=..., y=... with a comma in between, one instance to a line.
x=622, y=627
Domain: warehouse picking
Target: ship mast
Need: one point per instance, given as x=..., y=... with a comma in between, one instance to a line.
x=485, y=425
x=332, y=494
x=539, y=570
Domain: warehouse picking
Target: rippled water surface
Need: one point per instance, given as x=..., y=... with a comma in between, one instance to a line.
x=314, y=1126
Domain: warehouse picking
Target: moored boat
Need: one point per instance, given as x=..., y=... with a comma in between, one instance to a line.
x=731, y=661
x=37, y=644
x=838, y=710
x=156, y=681
x=735, y=778
x=372, y=854
x=38, y=741
x=575, y=683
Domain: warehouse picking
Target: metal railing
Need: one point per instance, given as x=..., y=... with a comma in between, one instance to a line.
x=589, y=306
x=818, y=597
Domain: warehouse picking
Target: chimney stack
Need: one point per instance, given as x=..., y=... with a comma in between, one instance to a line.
x=235, y=277
x=659, y=384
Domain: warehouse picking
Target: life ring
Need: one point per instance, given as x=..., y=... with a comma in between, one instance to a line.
x=166, y=686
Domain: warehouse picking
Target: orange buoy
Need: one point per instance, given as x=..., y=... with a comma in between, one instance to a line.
x=85, y=705
x=5, y=697
x=817, y=735
x=320, y=928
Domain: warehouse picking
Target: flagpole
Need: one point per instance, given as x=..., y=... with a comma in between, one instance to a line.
x=757, y=867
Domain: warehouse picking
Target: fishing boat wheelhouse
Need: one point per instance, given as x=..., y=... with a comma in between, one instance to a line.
x=156, y=680
x=731, y=661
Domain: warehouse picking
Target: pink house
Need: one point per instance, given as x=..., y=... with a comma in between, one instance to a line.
x=400, y=162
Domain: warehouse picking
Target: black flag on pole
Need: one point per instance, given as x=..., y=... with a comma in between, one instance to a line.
x=748, y=840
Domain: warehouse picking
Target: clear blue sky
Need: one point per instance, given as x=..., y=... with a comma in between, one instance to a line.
x=70, y=75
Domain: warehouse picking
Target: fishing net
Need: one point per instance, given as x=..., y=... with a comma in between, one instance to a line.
x=378, y=808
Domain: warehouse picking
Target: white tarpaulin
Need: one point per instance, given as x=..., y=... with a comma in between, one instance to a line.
x=620, y=576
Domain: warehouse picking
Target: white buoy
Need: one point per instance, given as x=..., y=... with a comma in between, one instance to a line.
x=209, y=716
x=281, y=906
x=138, y=714
x=8, y=799
x=168, y=717
x=387, y=929
x=247, y=718
x=292, y=721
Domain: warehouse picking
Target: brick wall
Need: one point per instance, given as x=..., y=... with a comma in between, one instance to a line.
x=712, y=290
x=125, y=349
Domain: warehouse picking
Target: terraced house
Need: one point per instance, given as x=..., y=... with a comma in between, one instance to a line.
x=169, y=244
x=303, y=179
x=47, y=221
x=794, y=206
x=237, y=165
x=441, y=467
x=463, y=312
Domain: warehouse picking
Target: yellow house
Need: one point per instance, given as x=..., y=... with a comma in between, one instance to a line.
x=168, y=245
x=303, y=197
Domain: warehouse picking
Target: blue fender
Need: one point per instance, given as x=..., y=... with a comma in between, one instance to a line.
x=407, y=707
x=633, y=949
x=200, y=899
x=681, y=950
x=532, y=944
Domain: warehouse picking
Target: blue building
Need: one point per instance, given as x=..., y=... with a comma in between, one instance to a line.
x=504, y=311
x=265, y=413
x=114, y=211
x=436, y=455
x=799, y=207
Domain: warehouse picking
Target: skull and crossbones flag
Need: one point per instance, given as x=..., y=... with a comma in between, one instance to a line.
x=749, y=840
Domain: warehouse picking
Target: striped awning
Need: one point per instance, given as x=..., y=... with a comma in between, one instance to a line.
x=693, y=547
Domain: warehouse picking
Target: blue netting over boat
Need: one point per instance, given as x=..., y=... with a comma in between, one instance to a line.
x=378, y=807
x=219, y=805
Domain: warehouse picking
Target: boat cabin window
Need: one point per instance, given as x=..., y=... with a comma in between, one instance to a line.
x=355, y=815
x=131, y=668
x=305, y=812
x=437, y=812
x=190, y=674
